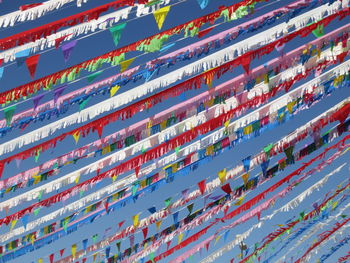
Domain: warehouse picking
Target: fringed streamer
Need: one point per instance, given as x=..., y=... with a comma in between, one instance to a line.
x=106, y=160
x=194, y=49
x=127, y=231
x=196, y=236
x=324, y=237
x=164, y=147
x=23, y=140
x=35, y=86
x=157, y=217
x=212, y=257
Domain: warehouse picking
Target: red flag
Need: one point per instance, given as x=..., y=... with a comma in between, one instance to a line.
x=106, y=204
x=59, y=40
x=31, y=63
x=203, y=32
x=145, y=231
x=120, y=224
x=246, y=63
x=201, y=186
x=61, y=252
x=207, y=246
x=51, y=258
x=168, y=244
x=84, y=260
x=227, y=188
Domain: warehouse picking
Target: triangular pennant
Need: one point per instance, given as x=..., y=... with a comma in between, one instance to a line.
x=120, y=224
x=93, y=76
x=116, y=32
x=51, y=257
x=36, y=211
x=179, y=238
x=264, y=166
x=125, y=64
x=24, y=220
x=167, y=202
x=203, y=32
x=76, y=136
x=245, y=61
x=152, y=209
x=245, y=178
x=160, y=15
x=135, y=220
x=21, y=56
x=36, y=100
x=61, y=252
x=57, y=93
x=201, y=186
x=246, y=163
x=158, y=224
x=118, y=246
x=85, y=241
x=59, y=40
x=67, y=49
x=222, y=175
x=32, y=63
x=83, y=103
x=114, y=90
x=176, y=217
x=13, y=224
x=203, y=3
x=240, y=200
x=108, y=250
x=226, y=188
x=318, y=32
x=9, y=112
x=190, y=208
x=74, y=250
x=40, y=260
x=144, y=232
x=106, y=205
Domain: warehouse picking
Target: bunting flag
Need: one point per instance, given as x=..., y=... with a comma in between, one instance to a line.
x=67, y=49
x=154, y=142
x=32, y=63
x=116, y=32
x=125, y=64
x=114, y=90
x=9, y=112
x=160, y=15
x=22, y=56
x=203, y=3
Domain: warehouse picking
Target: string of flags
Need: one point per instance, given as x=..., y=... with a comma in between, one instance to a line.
x=178, y=143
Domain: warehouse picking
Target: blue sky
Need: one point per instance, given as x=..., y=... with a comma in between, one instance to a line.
x=136, y=29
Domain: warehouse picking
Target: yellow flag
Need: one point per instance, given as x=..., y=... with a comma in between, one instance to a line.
x=40, y=260
x=74, y=250
x=245, y=178
x=158, y=224
x=135, y=219
x=37, y=178
x=76, y=136
x=216, y=240
x=222, y=175
x=179, y=238
x=290, y=106
x=77, y=179
x=114, y=177
x=125, y=64
x=13, y=223
x=160, y=15
x=114, y=90
x=227, y=123
x=240, y=200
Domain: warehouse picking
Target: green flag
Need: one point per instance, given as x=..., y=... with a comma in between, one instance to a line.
x=9, y=114
x=116, y=32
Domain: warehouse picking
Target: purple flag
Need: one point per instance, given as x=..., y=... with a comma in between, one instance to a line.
x=67, y=49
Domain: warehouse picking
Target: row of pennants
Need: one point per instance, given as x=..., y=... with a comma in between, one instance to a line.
x=67, y=49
